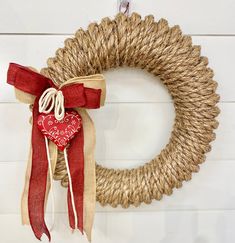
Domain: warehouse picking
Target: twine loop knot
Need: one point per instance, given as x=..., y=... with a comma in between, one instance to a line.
x=52, y=99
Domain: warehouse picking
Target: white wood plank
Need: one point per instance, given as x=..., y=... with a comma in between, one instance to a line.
x=201, y=211
x=117, y=128
x=210, y=189
x=123, y=84
x=26, y=50
x=195, y=17
x=123, y=131
x=159, y=227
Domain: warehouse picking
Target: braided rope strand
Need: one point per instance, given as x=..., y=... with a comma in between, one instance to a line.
x=166, y=53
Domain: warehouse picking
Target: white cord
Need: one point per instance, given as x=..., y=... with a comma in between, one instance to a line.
x=51, y=180
x=71, y=188
x=52, y=99
x=59, y=106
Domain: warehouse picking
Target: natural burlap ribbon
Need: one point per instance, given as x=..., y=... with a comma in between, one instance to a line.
x=92, y=83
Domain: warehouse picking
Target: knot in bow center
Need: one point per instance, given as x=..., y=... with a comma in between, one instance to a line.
x=52, y=99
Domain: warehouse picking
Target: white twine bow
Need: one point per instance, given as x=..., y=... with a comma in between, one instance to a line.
x=52, y=99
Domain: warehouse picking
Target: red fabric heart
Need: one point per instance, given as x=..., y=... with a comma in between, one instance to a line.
x=60, y=132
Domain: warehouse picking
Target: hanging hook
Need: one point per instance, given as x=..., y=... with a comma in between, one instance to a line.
x=124, y=6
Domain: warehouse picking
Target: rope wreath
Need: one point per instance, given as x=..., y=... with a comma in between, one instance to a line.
x=167, y=53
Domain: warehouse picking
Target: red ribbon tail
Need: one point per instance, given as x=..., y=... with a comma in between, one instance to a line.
x=76, y=166
x=40, y=231
x=38, y=180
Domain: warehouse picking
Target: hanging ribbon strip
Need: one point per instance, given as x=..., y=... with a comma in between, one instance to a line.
x=79, y=93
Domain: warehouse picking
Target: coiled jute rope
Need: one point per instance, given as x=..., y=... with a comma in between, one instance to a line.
x=167, y=53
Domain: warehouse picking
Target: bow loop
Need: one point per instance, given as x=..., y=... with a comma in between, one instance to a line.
x=52, y=99
x=76, y=95
x=79, y=92
x=27, y=80
x=85, y=91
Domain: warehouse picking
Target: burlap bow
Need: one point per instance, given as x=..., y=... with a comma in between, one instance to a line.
x=79, y=93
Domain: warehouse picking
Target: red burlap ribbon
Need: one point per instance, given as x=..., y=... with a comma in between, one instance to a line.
x=75, y=95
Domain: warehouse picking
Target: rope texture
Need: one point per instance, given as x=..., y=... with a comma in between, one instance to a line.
x=168, y=54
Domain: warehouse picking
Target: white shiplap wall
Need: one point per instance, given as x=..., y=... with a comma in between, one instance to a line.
x=203, y=210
